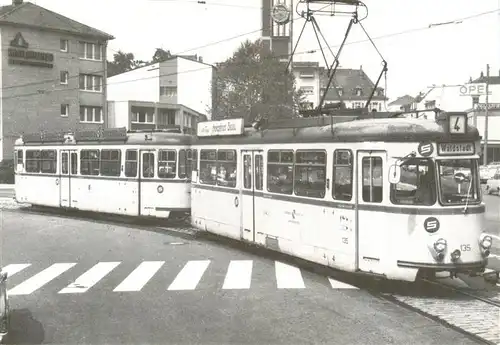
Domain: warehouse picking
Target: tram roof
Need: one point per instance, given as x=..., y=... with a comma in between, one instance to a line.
x=350, y=130
x=110, y=136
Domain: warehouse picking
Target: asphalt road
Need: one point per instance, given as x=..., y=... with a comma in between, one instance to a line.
x=78, y=281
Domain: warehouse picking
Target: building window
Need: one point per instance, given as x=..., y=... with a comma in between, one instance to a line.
x=90, y=51
x=64, y=77
x=358, y=91
x=64, y=45
x=90, y=82
x=306, y=74
x=142, y=115
x=90, y=114
x=170, y=91
x=64, y=110
x=307, y=90
x=340, y=91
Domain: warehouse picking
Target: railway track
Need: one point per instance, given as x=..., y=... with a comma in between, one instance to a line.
x=465, y=304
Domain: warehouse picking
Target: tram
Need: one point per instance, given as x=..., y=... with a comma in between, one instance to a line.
x=383, y=196
x=109, y=171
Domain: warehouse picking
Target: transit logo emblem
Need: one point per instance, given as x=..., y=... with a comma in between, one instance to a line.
x=431, y=224
x=425, y=149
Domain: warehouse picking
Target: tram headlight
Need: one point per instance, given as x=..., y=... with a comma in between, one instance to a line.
x=440, y=245
x=455, y=255
x=486, y=241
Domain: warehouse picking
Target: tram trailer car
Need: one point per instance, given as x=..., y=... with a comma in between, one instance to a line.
x=109, y=171
x=394, y=198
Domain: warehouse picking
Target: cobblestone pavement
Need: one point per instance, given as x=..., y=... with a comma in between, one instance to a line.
x=471, y=315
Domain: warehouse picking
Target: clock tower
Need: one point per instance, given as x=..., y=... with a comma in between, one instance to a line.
x=277, y=21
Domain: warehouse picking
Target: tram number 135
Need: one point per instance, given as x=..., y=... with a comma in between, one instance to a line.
x=465, y=248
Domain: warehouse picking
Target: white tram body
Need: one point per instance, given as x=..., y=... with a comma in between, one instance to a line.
x=387, y=197
x=111, y=171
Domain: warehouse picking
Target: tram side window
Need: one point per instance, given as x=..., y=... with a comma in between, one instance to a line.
x=20, y=159
x=310, y=174
x=280, y=171
x=48, y=161
x=417, y=184
x=342, y=175
x=89, y=162
x=194, y=160
x=64, y=163
x=167, y=164
x=32, y=161
x=148, y=164
x=226, y=168
x=183, y=163
x=208, y=166
x=74, y=163
x=247, y=171
x=131, y=163
x=372, y=179
x=259, y=172
x=110, y=162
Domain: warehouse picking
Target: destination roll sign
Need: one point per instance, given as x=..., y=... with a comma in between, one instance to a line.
x=452, y=149
x=20, y=55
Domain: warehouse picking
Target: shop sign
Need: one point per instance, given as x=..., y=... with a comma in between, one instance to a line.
x=19, y=54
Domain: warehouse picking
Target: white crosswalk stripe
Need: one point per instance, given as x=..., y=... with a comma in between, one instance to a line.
x=288, y=277
x=339, y=285
x=239, y=275
x=90, y=278
x=140, y=276
x=40, y=279
x=189, y=277
x=14, y=268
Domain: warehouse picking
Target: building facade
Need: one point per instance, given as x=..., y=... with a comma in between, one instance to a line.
x=137, y=115
x=352, y=87
x=179, y=80
x=53, y=73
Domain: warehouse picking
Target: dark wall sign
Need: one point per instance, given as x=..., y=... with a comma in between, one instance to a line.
x=20, y=55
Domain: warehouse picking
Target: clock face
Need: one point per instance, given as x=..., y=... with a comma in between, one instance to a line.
x=457, y=124
x=280, y=14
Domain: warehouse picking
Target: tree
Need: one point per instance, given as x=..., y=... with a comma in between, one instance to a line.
x=122, y=62
x=254, y=83
x=161, y=55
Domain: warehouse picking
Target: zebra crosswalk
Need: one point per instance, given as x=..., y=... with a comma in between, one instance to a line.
x=237, y=276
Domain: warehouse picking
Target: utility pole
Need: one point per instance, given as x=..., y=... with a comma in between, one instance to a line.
x=485, y=152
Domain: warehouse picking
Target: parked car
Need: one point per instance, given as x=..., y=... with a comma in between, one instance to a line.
x=486, y=172
x=493, y=183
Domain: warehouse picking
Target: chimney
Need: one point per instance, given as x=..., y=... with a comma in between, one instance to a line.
x=17, y=2
x=482, y=74
x=200, y=59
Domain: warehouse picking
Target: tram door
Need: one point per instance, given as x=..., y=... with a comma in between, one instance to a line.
x=251, y=183
x=68, y=168
x=147, y=187
x=371, y=233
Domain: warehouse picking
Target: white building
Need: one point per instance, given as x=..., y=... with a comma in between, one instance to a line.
x=351, y=86
x=180, y=80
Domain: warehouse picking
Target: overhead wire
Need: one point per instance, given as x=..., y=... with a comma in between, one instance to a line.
x=214, y=43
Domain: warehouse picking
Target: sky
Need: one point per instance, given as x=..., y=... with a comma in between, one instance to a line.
x=417, y=56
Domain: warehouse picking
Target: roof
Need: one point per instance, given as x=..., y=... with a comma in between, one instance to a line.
x=31, y=15
x=300, y=64
x=404, y=100
x=110, y=136
x=387, y=130
x=349, y=80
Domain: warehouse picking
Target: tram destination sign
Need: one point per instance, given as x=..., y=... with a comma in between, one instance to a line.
x=220, y=128
x=452, y=149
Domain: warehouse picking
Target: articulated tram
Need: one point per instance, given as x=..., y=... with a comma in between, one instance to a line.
x=390, y=197
x=109, y=171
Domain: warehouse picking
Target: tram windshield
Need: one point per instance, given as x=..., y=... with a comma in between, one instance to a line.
x=417, y=185
x=458, y=181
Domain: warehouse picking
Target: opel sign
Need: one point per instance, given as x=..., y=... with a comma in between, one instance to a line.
x=473, y=89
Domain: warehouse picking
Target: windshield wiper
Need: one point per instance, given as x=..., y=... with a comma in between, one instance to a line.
x=466, y=207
